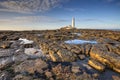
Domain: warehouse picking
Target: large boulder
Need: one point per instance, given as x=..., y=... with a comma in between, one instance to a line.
x=101, y=54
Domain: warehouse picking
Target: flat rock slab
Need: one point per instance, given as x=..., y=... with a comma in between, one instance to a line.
x=66, y=55
x=31, y=66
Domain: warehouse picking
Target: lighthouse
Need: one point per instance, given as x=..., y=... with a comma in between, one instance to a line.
x=73, y=22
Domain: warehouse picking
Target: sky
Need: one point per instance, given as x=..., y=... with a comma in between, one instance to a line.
x=54, y=14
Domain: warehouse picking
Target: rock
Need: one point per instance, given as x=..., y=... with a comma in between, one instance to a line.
x=3, y=37
x=31, y=66
x=5, y=76
x=95, y=75
x=116, y=77
x=4, y=62
x=87, y=49
x=75, y=69
x=96, y=65
x=48, y=74
x=34, y=53
x=66, y=55
x=5, y=44
x=28, y=45
x=55, y=57
x=19, y=58
x=13, y=37
x=107, y=41
x=114, y=49
x=21, y=77
x=61, y=72
x=6, y=52
x=101, y=54
x=81, y=57
x=77, y=51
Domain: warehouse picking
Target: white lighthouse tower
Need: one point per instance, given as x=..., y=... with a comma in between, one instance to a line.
x=73, y=22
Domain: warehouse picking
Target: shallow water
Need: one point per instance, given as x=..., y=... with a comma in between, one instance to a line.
x=77, y=41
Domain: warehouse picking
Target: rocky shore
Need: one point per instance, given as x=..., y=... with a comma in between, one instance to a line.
x=75, y=54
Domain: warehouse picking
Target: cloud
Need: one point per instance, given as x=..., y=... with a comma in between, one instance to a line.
x=74, y=9
x=93, y=20
x=29, y=5
x=30, y=20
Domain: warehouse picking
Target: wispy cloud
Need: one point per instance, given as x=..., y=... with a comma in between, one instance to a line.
x=30, y=19
x=92, y=20
x=25, y=6
x=74, y=9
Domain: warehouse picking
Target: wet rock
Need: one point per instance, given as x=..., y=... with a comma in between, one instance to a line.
x=66, y=55
x=96, y=65
x=31, y=66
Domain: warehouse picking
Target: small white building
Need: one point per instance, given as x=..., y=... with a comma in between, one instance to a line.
x=72, y=26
